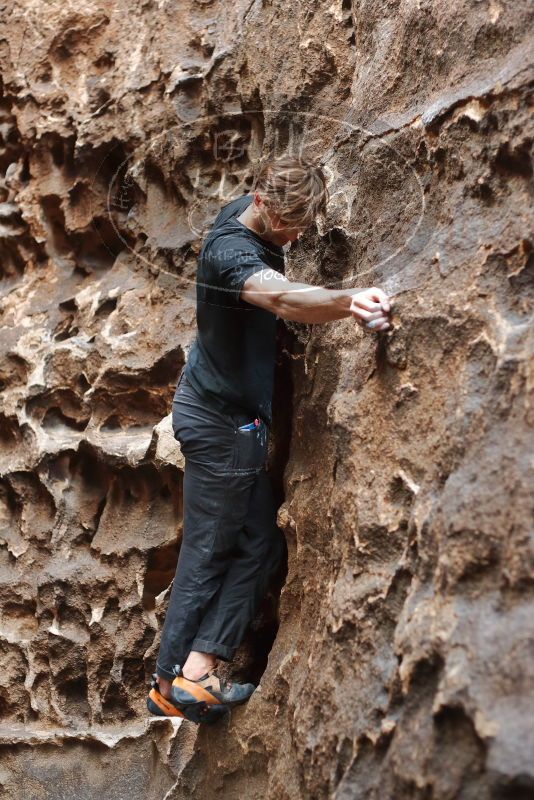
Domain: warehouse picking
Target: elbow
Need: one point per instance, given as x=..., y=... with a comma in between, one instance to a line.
x=283, y=309
x=288, y=311
x=282, y=312
x=278, y=307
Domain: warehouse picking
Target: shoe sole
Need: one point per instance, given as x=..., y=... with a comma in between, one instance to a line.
x=204, y=712
x=159, y=706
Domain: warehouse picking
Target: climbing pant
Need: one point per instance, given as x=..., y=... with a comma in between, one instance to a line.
x=231, y=545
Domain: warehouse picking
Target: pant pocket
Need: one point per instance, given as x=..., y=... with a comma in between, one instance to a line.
x=251, y=445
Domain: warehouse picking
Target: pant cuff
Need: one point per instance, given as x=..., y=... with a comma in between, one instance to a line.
x=205, y=646
x=164, y=673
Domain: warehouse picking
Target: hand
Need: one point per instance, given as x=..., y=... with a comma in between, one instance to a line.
x=371, y=308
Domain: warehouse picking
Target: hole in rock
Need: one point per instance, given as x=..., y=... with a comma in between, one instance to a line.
x=56, y=150
x=112, y=423
x=107, y=307
x=115, y=704
x=166, y=370
x=55, y=418
x=65, y=329
x=73, y=694
x=78, y=194
x=25, y=174
x=133, y=672
x=9, y=432
x=52, y=213
x=82, y=383
x=138, y=407
x=399, y=492
x=458, y=751
x=514, y=161
x=106, y=59
x=12, y=262
x=335, y=259
x=68, y=305
x=521, y=787
x=5, y=705
x=98, y=247
x=160, y=570
x=348, y=21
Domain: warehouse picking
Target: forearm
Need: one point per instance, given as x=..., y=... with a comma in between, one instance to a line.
x=301, y=302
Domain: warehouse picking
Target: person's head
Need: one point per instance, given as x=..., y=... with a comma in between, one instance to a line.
x=289, y=192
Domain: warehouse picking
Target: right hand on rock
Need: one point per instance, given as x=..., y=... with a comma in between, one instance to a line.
x=371, y=309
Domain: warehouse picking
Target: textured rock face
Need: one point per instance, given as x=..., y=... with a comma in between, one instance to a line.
x=402, y=663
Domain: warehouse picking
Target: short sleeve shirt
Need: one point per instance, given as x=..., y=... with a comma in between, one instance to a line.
x=232, y=360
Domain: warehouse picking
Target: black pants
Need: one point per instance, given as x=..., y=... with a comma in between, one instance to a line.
x=231, y=545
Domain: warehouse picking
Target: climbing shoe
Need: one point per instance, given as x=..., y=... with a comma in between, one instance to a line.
x=158, y=705
x=208, y=697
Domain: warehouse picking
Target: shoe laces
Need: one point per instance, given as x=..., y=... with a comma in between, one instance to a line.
x=225, y=683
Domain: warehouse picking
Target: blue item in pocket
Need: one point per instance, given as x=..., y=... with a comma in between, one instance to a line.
x=249, y=426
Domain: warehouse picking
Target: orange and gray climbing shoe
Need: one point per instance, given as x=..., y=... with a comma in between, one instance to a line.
x=159, y=705
x=209, y=697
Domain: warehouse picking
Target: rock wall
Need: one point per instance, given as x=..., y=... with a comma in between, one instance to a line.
x=396, y=659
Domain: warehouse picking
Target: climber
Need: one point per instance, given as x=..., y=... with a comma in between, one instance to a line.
x=221, y=414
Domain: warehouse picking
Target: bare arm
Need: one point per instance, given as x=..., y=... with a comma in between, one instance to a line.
x=302, y=302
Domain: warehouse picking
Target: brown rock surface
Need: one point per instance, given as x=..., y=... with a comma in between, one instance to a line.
x=402, y=663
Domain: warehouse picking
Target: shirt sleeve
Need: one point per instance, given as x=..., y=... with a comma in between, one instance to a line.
x=231, y=265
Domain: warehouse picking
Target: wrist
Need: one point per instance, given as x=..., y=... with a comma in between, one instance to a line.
x=342, y=300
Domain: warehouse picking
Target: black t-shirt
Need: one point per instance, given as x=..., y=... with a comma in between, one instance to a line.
x=231, y=362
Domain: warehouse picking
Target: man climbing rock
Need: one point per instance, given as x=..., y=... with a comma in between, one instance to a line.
x=221, y=413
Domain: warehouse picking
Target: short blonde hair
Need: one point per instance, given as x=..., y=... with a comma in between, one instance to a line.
x=294, y=188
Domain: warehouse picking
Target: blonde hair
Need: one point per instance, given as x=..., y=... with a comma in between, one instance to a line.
x=294, y=188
